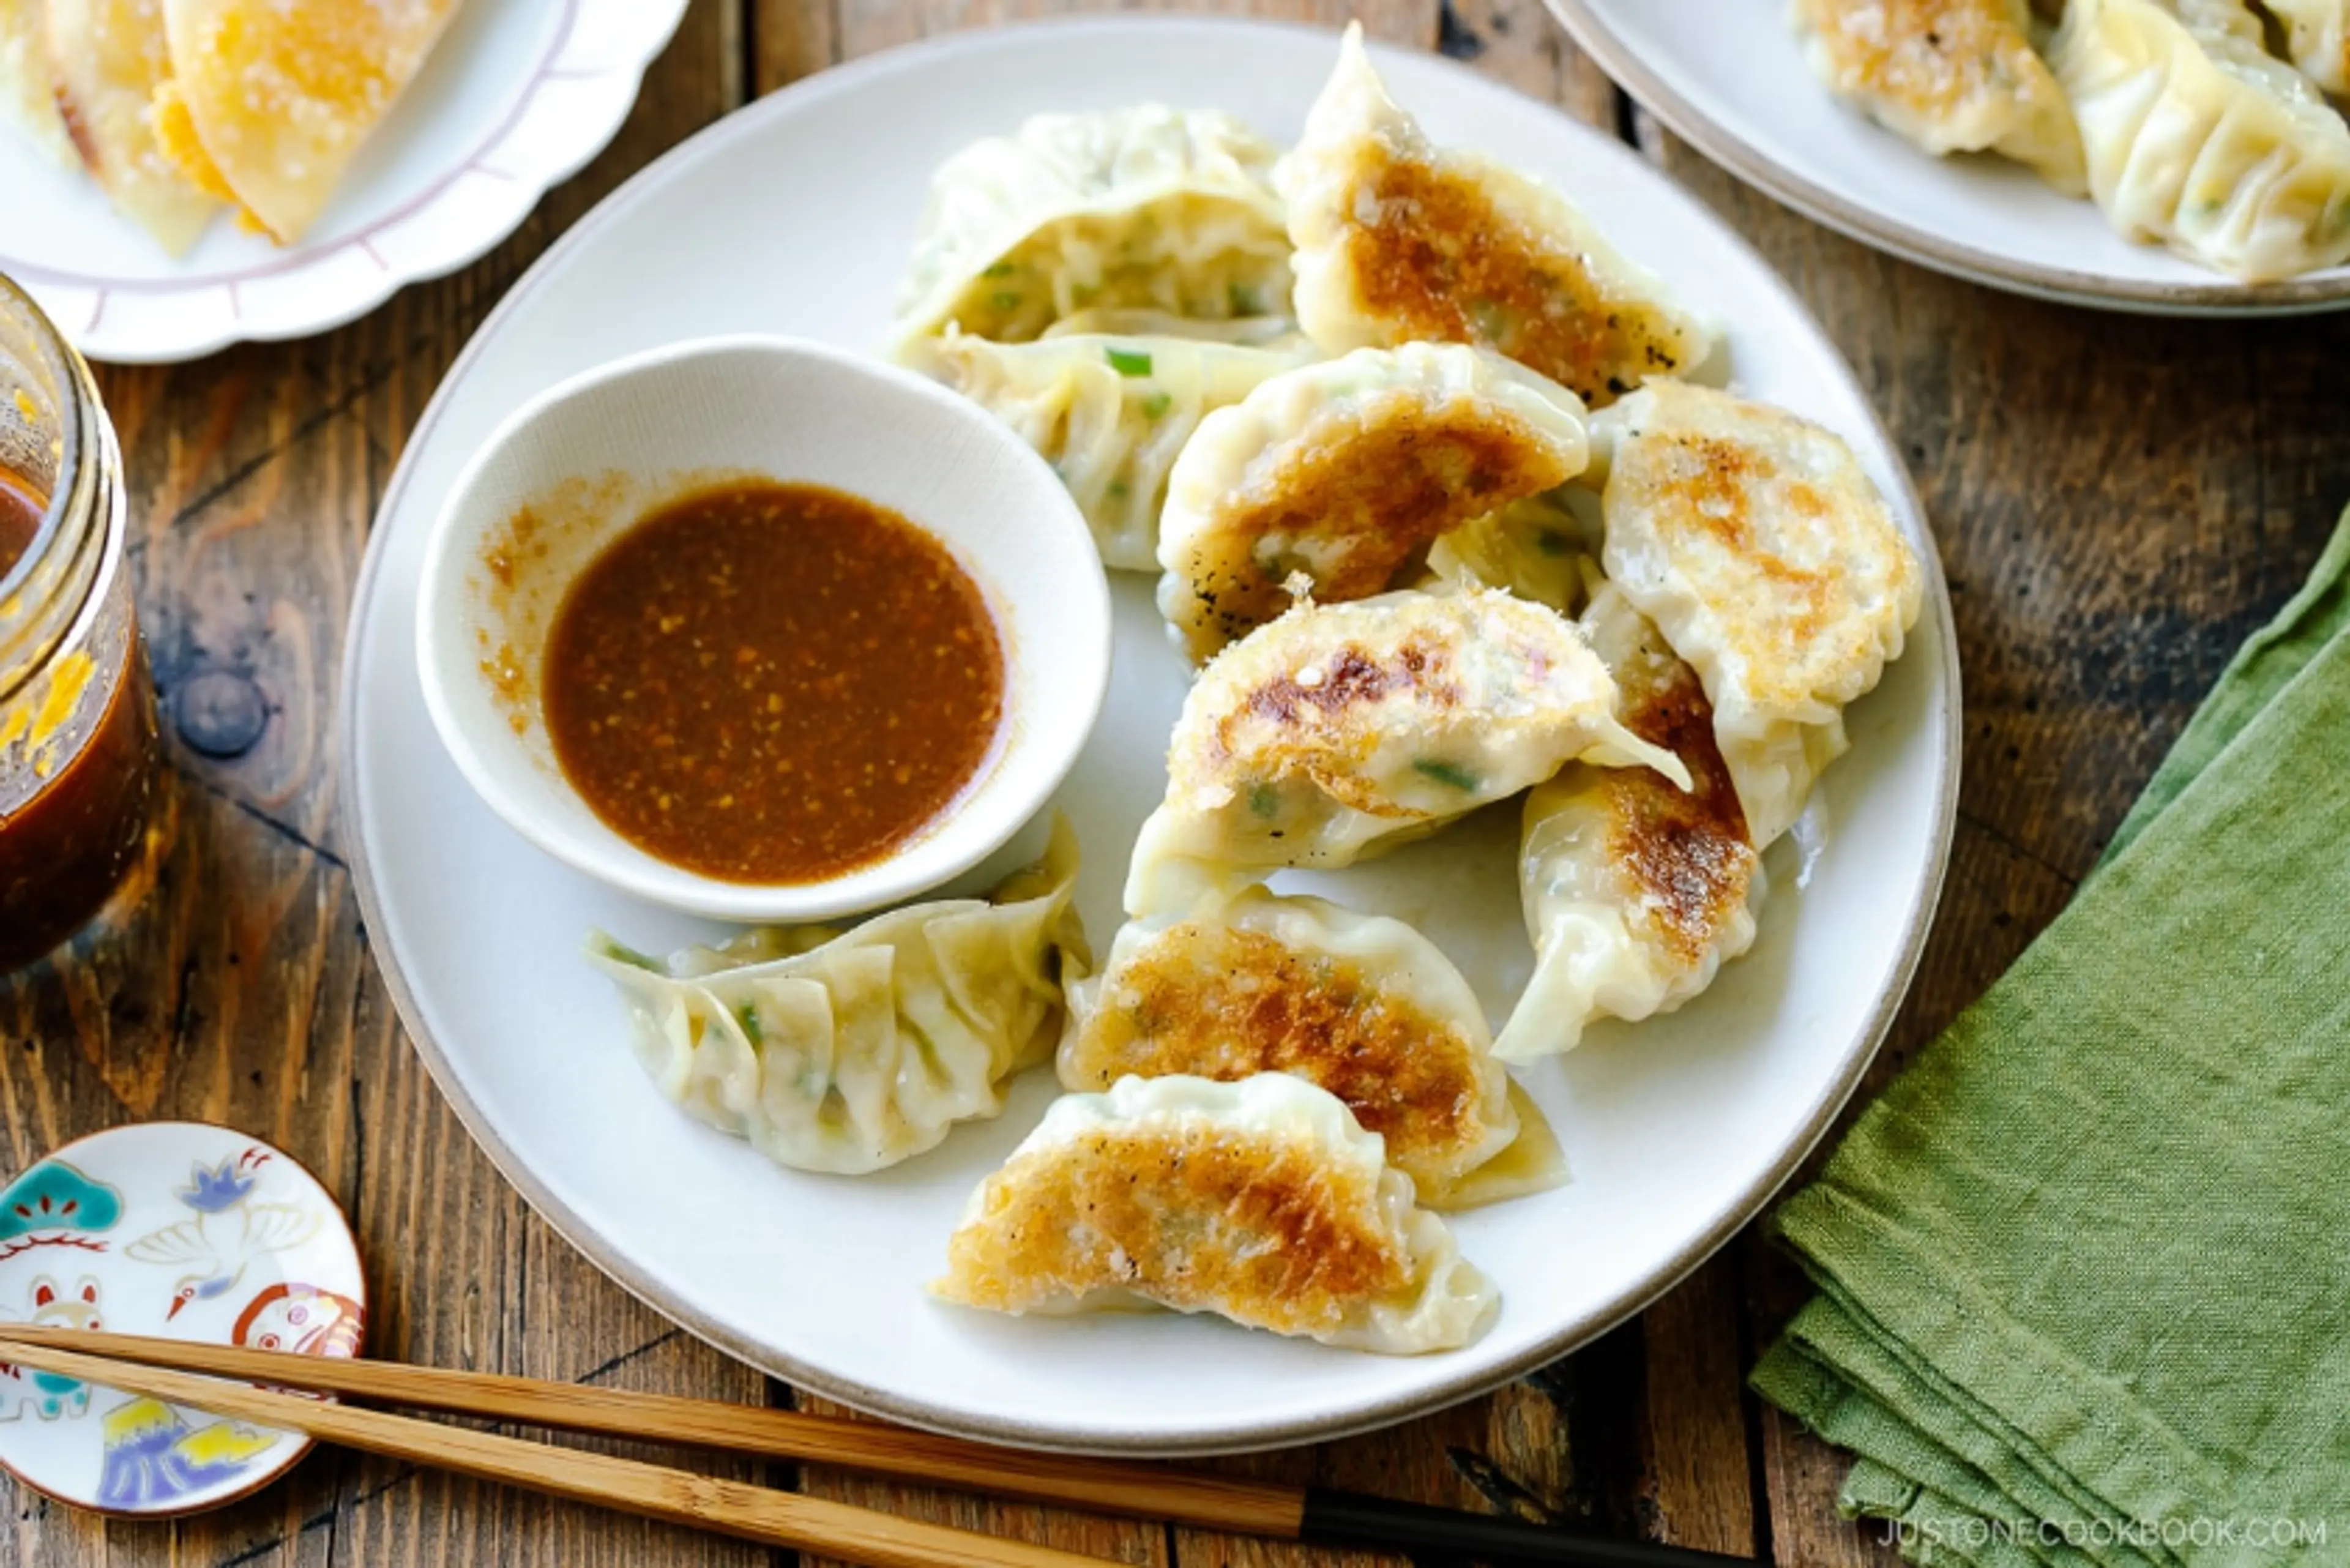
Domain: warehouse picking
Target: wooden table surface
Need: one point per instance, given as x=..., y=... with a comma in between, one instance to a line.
x=2118, y=502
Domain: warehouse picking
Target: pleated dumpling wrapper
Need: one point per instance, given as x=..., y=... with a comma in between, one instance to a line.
x=1635, y=892
x=2198, y=139
x=1341, y=729
x=1398, y=240
x=1262, y=1201
x=106, y=59
x=1363, y=1005
x=1338, y=475
x=1951, y=76
x=269, y=101
x=27, y=97
x=1144, y=207
x=1764, y=554
x=848, y=1051
x=1111, y=413
x=1537, y=548
x=2317, y=40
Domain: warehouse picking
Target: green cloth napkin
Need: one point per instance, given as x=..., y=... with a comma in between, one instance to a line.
x=2083, y=1270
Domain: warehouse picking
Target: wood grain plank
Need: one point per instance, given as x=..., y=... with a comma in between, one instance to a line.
x=793, y=37
x=1694, y=1439
x=1506, y=1451
x=1655, y=1415
x=2118, y=502
x=242, y=990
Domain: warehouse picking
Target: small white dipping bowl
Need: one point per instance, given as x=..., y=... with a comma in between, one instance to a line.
x=590, y=458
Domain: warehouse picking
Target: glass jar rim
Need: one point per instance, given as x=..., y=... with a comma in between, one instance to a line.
x=57, y=584
x=64, y=369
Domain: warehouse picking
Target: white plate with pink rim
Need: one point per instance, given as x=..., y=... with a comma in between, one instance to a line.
x=517, y=96
x=796, y=216
x=1730, y=79
x=180, y=1229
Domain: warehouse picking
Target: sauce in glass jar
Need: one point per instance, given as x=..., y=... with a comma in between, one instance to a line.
x=20, y=519
x=78, y=752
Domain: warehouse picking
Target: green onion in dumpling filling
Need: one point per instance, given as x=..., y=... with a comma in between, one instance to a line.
x=1452, y=776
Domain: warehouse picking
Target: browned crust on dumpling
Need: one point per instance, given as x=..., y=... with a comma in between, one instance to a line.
x=1350, y=677
x=1437, y=261
x=1716, y=485
x=1227, y=1002
x=1368, y=502
x=1193, y=1216
x=1290, y=725
x=1686, y=853
x=1931, y=56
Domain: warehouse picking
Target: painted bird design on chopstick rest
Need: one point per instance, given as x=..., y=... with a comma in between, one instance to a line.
x=230, y=1232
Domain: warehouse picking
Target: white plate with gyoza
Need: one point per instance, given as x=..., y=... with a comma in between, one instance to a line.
x=1674, y=1131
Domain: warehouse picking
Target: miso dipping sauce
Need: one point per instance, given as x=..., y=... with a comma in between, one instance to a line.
x=773, y=683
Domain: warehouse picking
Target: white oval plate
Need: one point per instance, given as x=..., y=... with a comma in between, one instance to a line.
x=1729, y=76
x=796, y=216
x=518, y=94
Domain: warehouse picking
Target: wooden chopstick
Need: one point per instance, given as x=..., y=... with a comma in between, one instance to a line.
x=1101, y=1486
x=1312, y=1514
x=754, y=1513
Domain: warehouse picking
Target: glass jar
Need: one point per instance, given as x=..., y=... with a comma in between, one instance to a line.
x=78, y=756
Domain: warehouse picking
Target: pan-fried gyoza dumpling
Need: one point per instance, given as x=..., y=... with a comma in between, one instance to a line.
x=1635, y=892
x=269, y=101
x=27, y=98
x=1768, y=560
x=1339, y=730
x=1262, y=1201
x=1398, y=241
x=850, y=1050
x=1109, y=413
x=2317, y=39
x=1341, y=473
x=1147, y=206
x=106, y=58
x=1951, y=76
x=2198, y=140
x=1360, y=1004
